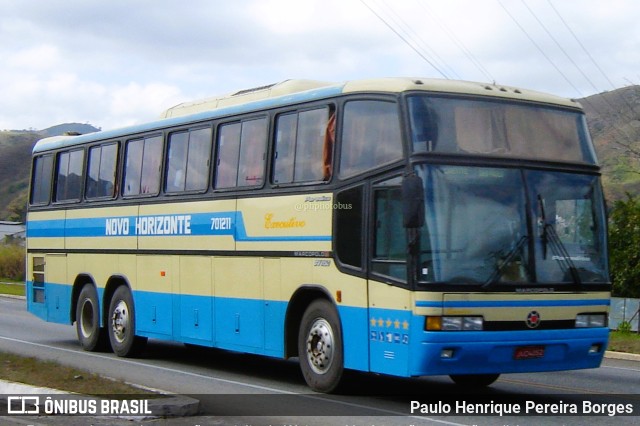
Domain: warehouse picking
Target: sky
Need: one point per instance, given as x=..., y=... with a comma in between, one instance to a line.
x=120, y=62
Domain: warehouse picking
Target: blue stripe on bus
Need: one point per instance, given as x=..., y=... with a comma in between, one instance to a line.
x=201, y=224
x=511, y=303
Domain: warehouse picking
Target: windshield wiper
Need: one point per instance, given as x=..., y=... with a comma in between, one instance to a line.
x=549, y=236
x=507, y=261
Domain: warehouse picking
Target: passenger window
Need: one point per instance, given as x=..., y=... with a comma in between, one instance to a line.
x=188, y=161
x=304, y=146
x=102, y=167
x=41, y=186
x=142, y=166
x=241, y=154
x=371, y=136
x=253, y=144
x=228, y=149
x=70, y=176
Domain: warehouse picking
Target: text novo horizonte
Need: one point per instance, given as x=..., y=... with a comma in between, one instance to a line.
x=149, y=225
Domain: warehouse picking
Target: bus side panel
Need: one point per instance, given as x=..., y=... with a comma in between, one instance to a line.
x=195, y=289
x=390, y=327
x=274, y=308
x=47, y=295
x=154, y=296
x=239, y=303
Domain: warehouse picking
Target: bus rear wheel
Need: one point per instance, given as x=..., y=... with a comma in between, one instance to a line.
x=122, y=325
x=474, y=380
x=90, y=335
x=320, y=347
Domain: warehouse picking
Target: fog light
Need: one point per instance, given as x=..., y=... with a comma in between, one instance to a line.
x=446, y=354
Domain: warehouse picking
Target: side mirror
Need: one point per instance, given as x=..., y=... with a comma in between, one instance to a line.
x=412, y=202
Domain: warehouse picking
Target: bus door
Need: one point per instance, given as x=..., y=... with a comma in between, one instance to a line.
x=390, y=303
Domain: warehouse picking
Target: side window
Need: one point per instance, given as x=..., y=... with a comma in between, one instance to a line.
x=349, y=224
x=241, y=154
x=41, y=180
x=143, y=160
x=371, y=136
x=228, y=149
x=103, y=161
x=304, y=146
x=70, y=175
x=390, y=241
x=188, y=160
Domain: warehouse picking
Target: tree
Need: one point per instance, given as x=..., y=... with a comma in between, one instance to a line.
x=18, y=207
x=624, y=247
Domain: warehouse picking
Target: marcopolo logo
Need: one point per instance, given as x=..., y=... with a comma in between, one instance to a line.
x=533, y=319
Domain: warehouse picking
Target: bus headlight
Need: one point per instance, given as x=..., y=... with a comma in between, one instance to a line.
x=591, y=320
x=453, y=323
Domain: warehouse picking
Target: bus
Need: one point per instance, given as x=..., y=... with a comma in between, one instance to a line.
x=400, y=226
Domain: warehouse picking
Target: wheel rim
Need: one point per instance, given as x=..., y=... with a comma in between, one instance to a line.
x=120, y=321
x=320, y=344
x=87, y=319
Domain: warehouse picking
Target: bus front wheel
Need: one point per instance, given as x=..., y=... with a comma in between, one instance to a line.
x=90, y=335
x=122, y=324
x=320, y=347
x=474, y=380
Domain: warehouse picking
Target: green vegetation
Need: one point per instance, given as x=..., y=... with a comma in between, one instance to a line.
x=53, y=375
x=14, y=289
x=12, y=262
x=620, y=341
x=624, y=240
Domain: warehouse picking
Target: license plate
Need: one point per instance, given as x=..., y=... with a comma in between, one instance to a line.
x=529, y=352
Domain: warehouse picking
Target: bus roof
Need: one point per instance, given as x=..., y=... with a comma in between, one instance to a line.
x=297, y=91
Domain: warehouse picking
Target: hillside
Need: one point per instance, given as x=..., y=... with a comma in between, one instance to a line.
x=614, y=122
x=15, y=161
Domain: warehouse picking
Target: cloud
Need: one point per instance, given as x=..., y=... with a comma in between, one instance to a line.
x=117, y=62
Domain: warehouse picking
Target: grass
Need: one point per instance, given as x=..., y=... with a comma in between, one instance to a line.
x=12, y=288
x=624, y=342
x=16, y=368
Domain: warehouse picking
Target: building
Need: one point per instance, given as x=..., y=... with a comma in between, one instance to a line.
x=12, y=231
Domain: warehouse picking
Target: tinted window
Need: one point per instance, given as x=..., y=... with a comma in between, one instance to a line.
x=142, y=166
x=188, y=161
x=502, y=128
x=103, y=162
x=241, y=154
x=70, y=176
x=349, y=226
x=370, y=136
x=41, y=184
x=390, y=247
x=304, y=144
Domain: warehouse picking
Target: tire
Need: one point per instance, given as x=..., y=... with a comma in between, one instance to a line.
x=122, y=324
x=320, y=347
x=474, y=380
x=91, y=336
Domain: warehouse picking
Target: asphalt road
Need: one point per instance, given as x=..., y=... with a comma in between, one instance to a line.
x=239, y=389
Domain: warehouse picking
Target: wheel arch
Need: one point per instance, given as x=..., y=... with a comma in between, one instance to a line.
x=78, y=284
x=299, y=302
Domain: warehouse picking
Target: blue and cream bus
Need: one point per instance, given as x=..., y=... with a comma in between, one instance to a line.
x=409, y=227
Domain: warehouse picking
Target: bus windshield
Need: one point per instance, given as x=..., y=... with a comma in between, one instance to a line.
x=517, y=130
x=494, y=225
